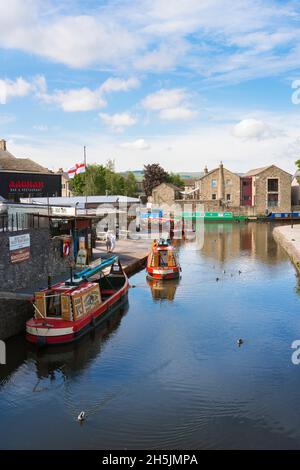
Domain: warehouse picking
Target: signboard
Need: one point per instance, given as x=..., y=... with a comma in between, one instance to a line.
x=19, y=248
x=55, y=210
x=29, y=184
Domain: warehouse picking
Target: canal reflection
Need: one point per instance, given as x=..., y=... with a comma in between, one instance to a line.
x=64, y=359
x=227, y=241
x=167, y=373
x=163, y=290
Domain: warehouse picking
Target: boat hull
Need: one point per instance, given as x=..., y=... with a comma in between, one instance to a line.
x=52, y=331
x=163, y=274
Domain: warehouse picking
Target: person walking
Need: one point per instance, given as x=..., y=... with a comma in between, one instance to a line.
x=113, y=241
x=108, y=242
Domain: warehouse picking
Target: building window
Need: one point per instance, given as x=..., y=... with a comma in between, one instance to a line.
x=228, y=182
x=273, y=185
x=272, y=200
x=214, y=196
x=228, y=197
x=247, y=198
x=213, y=183
x=246, y=182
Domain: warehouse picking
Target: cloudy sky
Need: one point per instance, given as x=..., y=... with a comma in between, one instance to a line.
x=181, y=82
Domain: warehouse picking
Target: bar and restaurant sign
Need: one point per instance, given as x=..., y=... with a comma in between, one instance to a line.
x=19, y=248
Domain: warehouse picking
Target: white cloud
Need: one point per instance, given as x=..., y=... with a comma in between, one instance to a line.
x=40, y=127
x=139, y=144
x=118, y=84
x=118, y=121
x=10, y=89
x=179, y=113
x=164, y=99
x=172, y=104
x=82, y=99
x=159, y=35
x=252, y=129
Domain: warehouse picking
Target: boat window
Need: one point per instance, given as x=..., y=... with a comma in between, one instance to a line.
x=163, y=258
x=53, y=305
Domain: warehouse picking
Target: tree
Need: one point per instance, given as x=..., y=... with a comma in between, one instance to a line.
x=176, y=180
x=94, y=179
x=297, y=163
x=131, y=188
x=154, y=175
x=99, y=179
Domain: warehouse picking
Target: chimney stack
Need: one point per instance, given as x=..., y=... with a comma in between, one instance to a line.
x=3, y=144
x=205, y=170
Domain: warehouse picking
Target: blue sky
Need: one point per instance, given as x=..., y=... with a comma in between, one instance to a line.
x=186, y=83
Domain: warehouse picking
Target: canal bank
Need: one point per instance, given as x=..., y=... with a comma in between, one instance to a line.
x=289, y=238
x=16, y=307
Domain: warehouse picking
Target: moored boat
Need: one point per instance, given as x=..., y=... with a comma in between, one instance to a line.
x=162, y=262
x=68, y=310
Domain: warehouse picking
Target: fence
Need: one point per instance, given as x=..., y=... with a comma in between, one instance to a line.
x=22, y=221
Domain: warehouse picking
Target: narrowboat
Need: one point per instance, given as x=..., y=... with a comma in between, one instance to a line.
x=68, y=310
x=162, y=262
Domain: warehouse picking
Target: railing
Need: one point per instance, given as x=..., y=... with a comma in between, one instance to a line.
x=21, y=221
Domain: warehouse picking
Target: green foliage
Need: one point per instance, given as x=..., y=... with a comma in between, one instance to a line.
x=154, y=175
x=297, y=163
x=100, y=179
x=176, y=180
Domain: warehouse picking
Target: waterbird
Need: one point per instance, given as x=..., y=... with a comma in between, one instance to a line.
x=217, y=279
x=240, y=272
x=81, y=416
x=240, y=342
x=132, y=286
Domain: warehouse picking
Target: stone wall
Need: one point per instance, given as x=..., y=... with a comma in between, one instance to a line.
x=13, y=316
x=45, y=258
x=163, y=194
x=261, y=190
x=220, y=182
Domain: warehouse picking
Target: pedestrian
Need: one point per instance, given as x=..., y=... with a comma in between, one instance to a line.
x=108, y=242
x=113, y=241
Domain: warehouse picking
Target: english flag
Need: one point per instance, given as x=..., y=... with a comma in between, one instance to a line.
x=76, y=170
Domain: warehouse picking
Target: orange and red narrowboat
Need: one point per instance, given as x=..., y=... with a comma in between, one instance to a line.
x=162, y=262
x=68, y=310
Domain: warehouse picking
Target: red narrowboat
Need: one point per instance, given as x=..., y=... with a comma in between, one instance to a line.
x=162, y=262
x=68, y=310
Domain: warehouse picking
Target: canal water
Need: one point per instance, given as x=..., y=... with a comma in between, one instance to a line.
x=167, y=372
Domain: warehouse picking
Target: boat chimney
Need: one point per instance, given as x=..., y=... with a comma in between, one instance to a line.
x=49, y=281
x=3, y=145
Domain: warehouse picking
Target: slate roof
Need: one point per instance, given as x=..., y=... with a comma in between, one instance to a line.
x=9, y=162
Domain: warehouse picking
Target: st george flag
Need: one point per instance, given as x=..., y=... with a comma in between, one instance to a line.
x=76, y=170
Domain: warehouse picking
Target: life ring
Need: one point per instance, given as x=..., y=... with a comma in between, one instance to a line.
x=66, y=248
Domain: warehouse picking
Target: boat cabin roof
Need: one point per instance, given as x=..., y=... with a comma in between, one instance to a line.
x=62, y=288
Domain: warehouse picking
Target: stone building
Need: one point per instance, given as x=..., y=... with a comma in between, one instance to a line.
x=165, y=193
x=266, y=189
x=219, y=186
x=24, y=178
x=65, y=183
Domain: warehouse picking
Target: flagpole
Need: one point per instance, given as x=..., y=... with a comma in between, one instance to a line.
x=85, y=179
